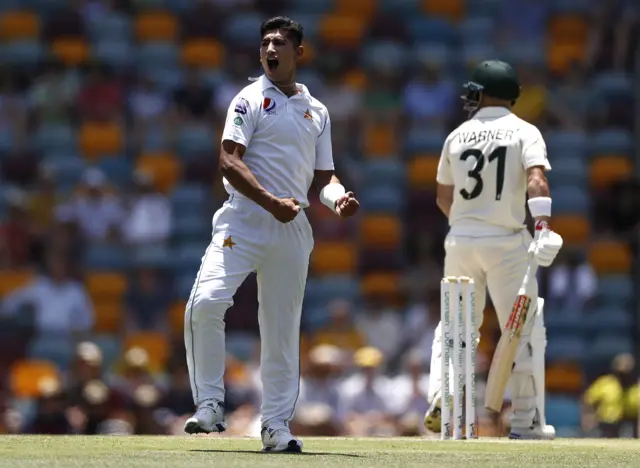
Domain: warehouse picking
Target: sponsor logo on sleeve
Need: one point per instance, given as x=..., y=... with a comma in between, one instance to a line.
x=241, y=106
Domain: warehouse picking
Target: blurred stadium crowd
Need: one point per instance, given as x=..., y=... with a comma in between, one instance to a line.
x=110, y=117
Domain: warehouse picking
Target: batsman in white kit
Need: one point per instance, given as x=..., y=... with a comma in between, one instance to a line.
x=488, y=166
x=275, y=144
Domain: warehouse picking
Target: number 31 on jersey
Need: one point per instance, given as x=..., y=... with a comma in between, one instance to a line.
x=499, y=154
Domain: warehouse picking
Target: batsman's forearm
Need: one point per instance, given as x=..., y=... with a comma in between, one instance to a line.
x=538, y=187
x=243, y=180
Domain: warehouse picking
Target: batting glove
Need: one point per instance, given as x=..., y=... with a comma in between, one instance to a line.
x=546, y=244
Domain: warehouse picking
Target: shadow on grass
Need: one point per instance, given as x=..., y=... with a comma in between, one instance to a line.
x=293, y=454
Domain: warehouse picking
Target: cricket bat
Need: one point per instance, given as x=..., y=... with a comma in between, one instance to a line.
x=505, y=353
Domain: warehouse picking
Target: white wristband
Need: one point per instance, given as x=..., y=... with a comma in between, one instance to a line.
x=540, y=206
x=330, y=194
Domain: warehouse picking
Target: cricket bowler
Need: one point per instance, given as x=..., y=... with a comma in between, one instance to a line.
x=276, y=142
x=488, y=166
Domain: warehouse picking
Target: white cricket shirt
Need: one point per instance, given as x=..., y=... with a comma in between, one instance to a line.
x=287, y=138
x=486, y=159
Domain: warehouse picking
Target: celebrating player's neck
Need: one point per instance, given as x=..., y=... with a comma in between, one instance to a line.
x=288, y=86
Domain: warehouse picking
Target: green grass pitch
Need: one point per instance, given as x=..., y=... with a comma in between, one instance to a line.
x=216, y=451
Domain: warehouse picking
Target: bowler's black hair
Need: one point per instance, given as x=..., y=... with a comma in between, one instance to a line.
x=293, y=29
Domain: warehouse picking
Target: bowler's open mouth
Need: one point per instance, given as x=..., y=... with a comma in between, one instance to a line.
x=272, y=64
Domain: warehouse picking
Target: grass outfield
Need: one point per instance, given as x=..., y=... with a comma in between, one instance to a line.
x=215, y=451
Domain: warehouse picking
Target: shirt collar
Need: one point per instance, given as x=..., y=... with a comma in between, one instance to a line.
x=492, y=112
x=266, y=83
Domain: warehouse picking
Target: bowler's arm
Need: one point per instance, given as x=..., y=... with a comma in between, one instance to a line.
x=240, y=176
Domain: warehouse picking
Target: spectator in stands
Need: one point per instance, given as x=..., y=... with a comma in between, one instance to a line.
x=61, y=304
x=16, y=238
x=367, y=401
x=239, y=71
x=381, y=324
x=420, y=323
x=87, y=366
x=194, y=100
x=320, y=407
x=429, y=98
x=566, y=103
x=614, y=398
x=382, y=100
x=66, y=21
x=615, y=33
x=43, y=199
x=409, y=402
x=146, y=103
x=148, y=218
x=53, y=96
x=13, y=114
x=340, y=331
x=177, y=403
x=50, y=418
x=134, y=371
x=571, y=283
x=102, y=411
x=146, y=399
x=97, y=212
x=147, y=301
x=203, y=20
x=102, y=97
x=532, y=102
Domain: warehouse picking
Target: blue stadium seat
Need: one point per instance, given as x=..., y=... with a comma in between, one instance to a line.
x=115, y=53
x=560, y=323
x=195, y=139
x=157, y=54
x=188, y=227
x=477, y=8
x=613, y=140
x=423, y=29
x=571, y=6
x=187, y=258
x=311, y=6
x=605, y=347
x=560, y=142
x=154, y=139
x=568, y=169
x=613, y=84
x=474, y=53
x=315, y=318
x=376, y=173
x=563, y=411
x=529, y=53
x=190, y=199
x=27, y=408
x=178, y=6
x=68, y=168
x=382, y=200
x=111, y=27
x=55, y=137
x=117, y=169
x=241, y=345
x=7, y=142
x=615, y=290
x=431, y=53
x=570, y=199
x=472, y=28
x=184, y=283
x=311, y=79
x=609, y=319
x=111, y=348
x=309, y=20
x=154, y=256
x=424, y=140
x=22, y=53
x=566, y=348
x=241, y=29
x=55, y=348
x=321, y=291
x=105, y=257
x=402, y=8
x=166, y=78
x=213, y=78
x=381, y=54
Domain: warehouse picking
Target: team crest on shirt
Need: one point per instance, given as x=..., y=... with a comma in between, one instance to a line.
x=241, y=106
x=307, y=115
x=269, y=106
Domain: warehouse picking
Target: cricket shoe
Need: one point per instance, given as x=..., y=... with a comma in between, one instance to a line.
x=433, y=418
x=535, y=432
x=208, y=418
x=279, y=440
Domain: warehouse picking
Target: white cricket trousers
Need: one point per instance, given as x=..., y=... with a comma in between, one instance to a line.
x=494, y=262
x=246, y=238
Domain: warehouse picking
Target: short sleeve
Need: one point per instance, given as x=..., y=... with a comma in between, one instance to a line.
x=444, y=175
x=534, y=149
x=324, y=149
x=241, y=121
